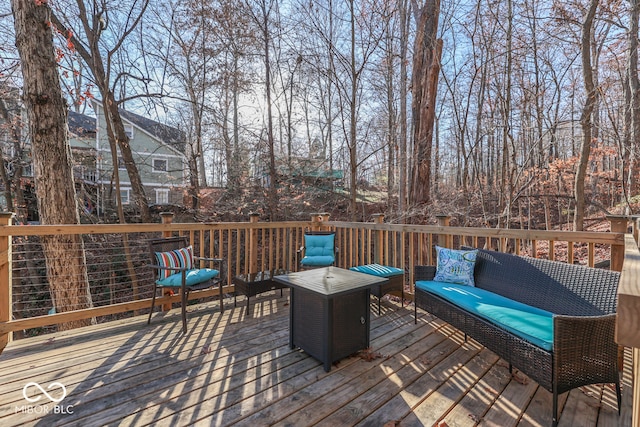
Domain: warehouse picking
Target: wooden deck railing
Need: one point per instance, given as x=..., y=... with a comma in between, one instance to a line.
x=257, y=246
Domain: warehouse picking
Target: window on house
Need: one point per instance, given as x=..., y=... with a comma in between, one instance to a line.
x=125, y=195
x=162, y=196
x=160, y=165
x=128, y=130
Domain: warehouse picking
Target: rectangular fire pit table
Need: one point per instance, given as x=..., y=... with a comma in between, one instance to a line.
x=329, y=311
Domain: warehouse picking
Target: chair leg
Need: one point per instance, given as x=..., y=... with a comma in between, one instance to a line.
x=379, y=305
x=185, y=298
x=221, y=298
x=619, y=396
x=153, y=302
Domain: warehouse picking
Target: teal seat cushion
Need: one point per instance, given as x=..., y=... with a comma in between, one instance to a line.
x=318, y=260
x=194, y=277
x=378, y=270
x=529, y=323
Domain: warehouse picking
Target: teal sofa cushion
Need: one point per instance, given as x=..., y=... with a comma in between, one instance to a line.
x=194, y=277
x=529, y=323
x=378, y=270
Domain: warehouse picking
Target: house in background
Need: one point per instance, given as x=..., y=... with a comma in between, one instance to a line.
x=159, y=153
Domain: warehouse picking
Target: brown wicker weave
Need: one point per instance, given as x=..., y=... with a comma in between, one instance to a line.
x=583, y=300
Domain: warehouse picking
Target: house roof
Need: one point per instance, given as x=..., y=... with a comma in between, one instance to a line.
x=81, y=124
x=169, y=135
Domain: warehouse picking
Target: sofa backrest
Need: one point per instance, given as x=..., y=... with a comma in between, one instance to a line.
x=554, y=286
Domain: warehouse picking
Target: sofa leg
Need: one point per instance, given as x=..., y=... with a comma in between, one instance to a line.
x=555, y=409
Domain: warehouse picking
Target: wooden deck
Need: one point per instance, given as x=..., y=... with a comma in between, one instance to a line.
x=237, y=369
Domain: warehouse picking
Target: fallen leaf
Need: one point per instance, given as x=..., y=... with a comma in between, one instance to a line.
x=474, y=418
x=50, y=340
x=206, y=349
x=519, y=378
x=369, y=355
x=392, y=423
x=442, y=424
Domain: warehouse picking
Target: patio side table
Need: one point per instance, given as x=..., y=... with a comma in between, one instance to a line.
x=253, y=284
x=329, y=311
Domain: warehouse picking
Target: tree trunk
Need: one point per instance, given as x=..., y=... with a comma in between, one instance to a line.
x=585, y=119
x=632, y=116
x=426, y=70
x=47, y=114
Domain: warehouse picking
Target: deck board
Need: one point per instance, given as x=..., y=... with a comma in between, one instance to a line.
x=236, y=368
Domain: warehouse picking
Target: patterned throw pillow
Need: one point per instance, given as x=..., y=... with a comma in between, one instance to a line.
x=455, y=266
x=182, y=258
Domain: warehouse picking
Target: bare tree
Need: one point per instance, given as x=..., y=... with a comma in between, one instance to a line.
x=88, y=41
x=426, y=69
x=47, y=115
x=585, y=118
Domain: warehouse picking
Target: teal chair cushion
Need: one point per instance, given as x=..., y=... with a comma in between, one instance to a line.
x=318, y=261
x=378, y=270
x=194, y=277
x=319, y=245
x=529, y=323
x=319, y=250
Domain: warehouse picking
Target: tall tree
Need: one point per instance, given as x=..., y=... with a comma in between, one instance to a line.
x=47, y=115
x=426, y=69
x=585, y=118
x=88, y=40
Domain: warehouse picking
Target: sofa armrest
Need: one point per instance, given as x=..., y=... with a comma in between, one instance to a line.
x=585, y=346
x=424, y=272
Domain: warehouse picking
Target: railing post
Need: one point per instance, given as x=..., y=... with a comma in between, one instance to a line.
x=166, y=218
x=378, y=249
x=6, y=298
x=618, y=225
x=444, y=240
x=317, y=219
x=253, y=243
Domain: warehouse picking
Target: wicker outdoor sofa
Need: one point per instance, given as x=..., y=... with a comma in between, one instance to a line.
x=582, y=304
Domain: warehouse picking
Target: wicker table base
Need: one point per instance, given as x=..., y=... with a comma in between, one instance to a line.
x=329, y=312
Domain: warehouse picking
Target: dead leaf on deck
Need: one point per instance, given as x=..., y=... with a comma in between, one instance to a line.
x=50, y=340
x=520, y=378
x=206, y=349
x=474, y=418
x=491, y=391
x=392, y=423
x=285, y=304
x=443, y=424
x=369, y=355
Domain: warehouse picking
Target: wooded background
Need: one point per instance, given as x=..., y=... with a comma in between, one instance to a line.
x=535, y=106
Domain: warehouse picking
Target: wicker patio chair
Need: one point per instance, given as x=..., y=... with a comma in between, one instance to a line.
x=319, y=250
x=174, y=267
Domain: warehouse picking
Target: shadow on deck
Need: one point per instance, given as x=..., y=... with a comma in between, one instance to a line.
x=237, y=369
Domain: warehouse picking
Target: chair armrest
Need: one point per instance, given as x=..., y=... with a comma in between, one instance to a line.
x=164, y=267
x=198, y=258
